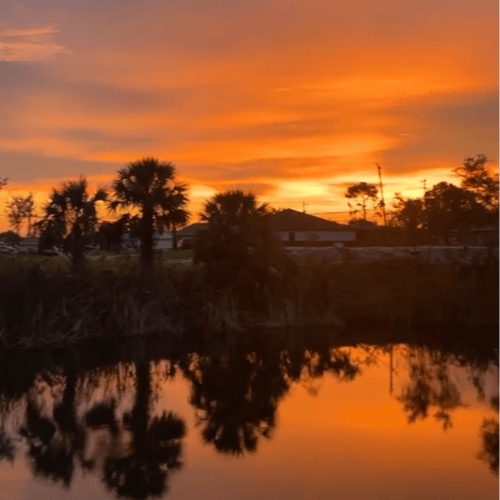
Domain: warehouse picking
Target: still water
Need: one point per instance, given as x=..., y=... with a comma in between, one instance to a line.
x=250, y=418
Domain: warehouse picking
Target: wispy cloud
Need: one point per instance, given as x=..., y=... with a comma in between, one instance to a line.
x=28, y=32
x=29, y=44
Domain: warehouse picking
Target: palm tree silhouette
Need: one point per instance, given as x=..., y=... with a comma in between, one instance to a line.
x=151, y=188
x=237, y=246
x=71, y=218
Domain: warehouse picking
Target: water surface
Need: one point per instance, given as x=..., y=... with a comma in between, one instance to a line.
x=255, y=417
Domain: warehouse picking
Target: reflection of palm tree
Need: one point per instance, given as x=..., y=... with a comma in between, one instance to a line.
x=156, y=447
x=238, y=400
x=53, y=443
x=50, y=457
x=7, y=447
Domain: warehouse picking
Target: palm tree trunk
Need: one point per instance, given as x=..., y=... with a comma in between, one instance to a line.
x=147, y=250
x=174, y=237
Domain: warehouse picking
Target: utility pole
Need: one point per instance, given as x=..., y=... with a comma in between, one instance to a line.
x=304, y=204
x=382, y=203
x=424, y=184
x=30, y=214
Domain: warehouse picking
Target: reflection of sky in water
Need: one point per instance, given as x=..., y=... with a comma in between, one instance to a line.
x=319, y=428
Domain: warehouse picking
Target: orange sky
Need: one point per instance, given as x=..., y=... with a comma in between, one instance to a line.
x=292, y=99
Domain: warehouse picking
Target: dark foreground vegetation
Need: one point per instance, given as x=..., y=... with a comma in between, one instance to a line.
x=43, y=303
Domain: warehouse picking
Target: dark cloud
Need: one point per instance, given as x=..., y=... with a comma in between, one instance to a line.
x=100, y=139
x=257, y=188
x=24, y=167
x=19, y=81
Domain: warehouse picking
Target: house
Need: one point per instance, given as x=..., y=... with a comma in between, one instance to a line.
x=187, y=234
x=484, y=236
x=162, y=241
x=29, y=245
x=298, y=228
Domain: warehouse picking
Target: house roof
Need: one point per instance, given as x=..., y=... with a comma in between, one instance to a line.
x=291, y=220
x=363, y=225
x=192, y=229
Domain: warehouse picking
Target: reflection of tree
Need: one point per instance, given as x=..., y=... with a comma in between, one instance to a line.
x=237, y=384
x=156, y=446
x=489, y=439
x=236, y=398
x=7, y=447
x=489, y=442
x=54, y=442
x=237, y=394
x=430, y=386
x=314, y=363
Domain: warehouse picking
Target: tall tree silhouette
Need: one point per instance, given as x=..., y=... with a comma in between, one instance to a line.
x=20, y=209
x=409, y=213
x=363, y=193
x=482, y=181
x=448, y=207
x=150, y=187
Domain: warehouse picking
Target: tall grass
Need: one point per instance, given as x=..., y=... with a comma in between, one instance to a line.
x=41, y=303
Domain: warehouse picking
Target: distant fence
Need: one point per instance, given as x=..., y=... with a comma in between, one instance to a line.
x=432, y=254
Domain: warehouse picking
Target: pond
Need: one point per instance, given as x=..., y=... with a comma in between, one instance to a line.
x=290, y=415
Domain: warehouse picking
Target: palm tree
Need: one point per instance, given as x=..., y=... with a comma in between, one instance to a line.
x=150, y=187
x=238, y=243
x=233, y=208
x=71, y=218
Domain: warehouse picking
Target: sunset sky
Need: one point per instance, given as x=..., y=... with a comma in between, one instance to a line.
x=291, y=99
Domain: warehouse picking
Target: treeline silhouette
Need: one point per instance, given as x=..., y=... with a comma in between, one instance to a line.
x=443, y=209
x=147, y=198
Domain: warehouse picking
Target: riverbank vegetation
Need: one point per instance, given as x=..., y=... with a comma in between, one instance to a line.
x=43, y=303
